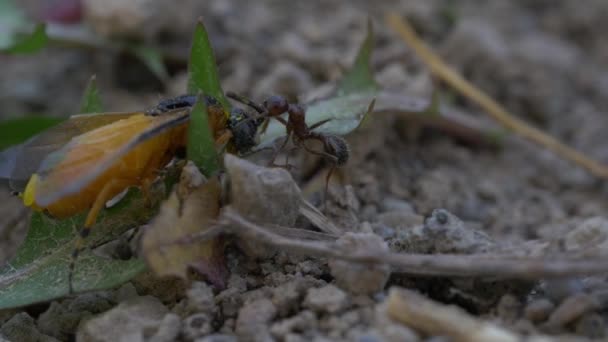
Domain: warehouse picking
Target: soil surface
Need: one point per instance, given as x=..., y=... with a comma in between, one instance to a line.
x=543, y=60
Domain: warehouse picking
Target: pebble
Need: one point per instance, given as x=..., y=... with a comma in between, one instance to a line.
x=303, y=321
x=538, y=310
x=218, y=338
x=253, y=319
x=134, y=320
x=263, y=196
x=328, y=299
x=63, y=317
x=591, y=325
x=360, y=278
x=22, y=328
x=590, y=234
x=508, y=308
x=571, y=309
x=396, y=205
x=197, y=325
x=400, y=220
x=201, y=298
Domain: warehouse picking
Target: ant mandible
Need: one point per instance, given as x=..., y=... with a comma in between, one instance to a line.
x=335, y=148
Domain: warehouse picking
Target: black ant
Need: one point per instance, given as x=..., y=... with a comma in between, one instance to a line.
x=335, y=148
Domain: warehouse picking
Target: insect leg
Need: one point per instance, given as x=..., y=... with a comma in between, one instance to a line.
x=334, y=161
x=318, y=124
x=106, y=194
x=278, y=150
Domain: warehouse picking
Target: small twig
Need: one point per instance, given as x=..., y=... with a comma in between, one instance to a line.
x=495, y=110
x=503, y=266
x=318, y=219
x=430, y=317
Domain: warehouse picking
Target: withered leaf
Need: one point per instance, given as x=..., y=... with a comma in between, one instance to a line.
x=168, y=245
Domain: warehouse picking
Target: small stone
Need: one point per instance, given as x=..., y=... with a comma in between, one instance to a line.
x=591, y=234
x=356, y=277
x=62, y=318
x=391, y=330
x=591, y=325
x=559, y=289
x=286, y=297
x=450, y=235
x=571, y=309
x=264, y=196
x=252, y=322
x=326, y=299
x=197, y=325
x=125, y=292
x=400, y=220
x=303, y=321
x=538, y=310
x=22, y=328
x=397, y=205
x=201, y=298
x=129, y=321
x=218, y=338
x=168, y=329
x=508, y=308
x=384, y=231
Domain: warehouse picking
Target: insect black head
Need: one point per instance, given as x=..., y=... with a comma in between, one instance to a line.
x=172, y=103
x=337, y=147
x=276, y=105
x=244, y=129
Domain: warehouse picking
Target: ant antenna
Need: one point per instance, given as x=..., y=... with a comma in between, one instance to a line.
x=246, y=101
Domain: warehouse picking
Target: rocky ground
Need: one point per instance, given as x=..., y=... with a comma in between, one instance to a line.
x=424, y=193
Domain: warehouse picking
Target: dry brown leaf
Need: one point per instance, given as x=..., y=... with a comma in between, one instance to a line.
x=192, y=207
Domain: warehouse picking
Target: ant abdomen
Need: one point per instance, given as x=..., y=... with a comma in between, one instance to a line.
x=337, y=147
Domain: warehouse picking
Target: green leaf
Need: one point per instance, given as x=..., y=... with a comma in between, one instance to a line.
x=31, y=43
x=201, y=145
x=39, y=271
x=16, y=131
x=360, y=78
x=350, y=105
x=91, y=102
x=153, y=59
x=203, y=75
x=344, y=112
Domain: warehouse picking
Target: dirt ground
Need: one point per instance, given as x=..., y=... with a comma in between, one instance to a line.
x=544, y=60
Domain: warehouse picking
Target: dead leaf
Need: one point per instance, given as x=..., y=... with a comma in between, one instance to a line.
x=167, y=243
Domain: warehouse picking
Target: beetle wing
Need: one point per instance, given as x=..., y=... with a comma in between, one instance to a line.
x=19, y=162
x=87, y=156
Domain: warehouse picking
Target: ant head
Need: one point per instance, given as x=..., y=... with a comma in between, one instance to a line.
x=276, y=105
x=296, y=113
x=337, y=147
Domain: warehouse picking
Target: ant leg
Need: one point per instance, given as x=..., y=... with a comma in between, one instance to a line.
x=332, y=158
x=325, y=195
x=277, y=151
x=319, y=124
x=108, y=191
x=334, y=161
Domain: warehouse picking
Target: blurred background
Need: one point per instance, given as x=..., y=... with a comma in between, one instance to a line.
x=545, y=60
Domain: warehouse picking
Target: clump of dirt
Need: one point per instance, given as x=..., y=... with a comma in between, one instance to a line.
x=403, y=190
